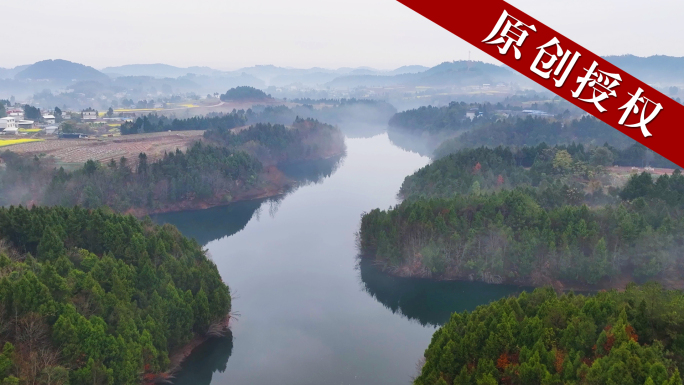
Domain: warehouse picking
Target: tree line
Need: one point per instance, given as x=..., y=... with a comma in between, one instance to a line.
x=88, y=296
x=156, y=123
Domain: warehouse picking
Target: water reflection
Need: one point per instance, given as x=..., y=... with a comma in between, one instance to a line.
x=223, y=221
x=427, y=301
x=424, y=145
x=207, y=225
x=206, y=359
x=311, y=171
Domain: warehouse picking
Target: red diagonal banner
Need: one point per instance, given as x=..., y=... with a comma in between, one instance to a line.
x=565, y=68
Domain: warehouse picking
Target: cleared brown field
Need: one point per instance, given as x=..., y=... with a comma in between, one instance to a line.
x=106, y=148
x=622, y=174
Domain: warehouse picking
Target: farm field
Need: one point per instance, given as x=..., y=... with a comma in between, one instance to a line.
x=10, y=142
x=77, y=151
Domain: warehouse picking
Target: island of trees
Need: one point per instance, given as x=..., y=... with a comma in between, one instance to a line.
x=88, y=296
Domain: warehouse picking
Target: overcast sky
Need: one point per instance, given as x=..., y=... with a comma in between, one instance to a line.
x=229, y=34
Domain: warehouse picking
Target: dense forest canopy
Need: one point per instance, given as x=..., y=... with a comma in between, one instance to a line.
x=244, y=93
x=577, y=165
x=87, y=296
x=630, y=338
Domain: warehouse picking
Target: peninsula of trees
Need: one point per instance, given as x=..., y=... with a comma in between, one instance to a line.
x=482, y=215
x=630, y=338
x=87, y=296
x=228, y=165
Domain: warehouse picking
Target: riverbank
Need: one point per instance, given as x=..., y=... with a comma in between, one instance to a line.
x=671, y=281
x=177, y=358
x=273, y=182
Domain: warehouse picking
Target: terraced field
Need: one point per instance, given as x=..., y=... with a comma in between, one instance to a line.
x=103, y=149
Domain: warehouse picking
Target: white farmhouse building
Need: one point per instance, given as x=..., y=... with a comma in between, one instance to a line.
x=89, y=115
x=8, y=125
x=49, y=119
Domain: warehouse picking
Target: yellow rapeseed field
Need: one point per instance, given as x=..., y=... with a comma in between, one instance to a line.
x=31, y=130
x=9, y=142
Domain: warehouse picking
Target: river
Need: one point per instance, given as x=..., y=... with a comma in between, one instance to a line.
x=309, y=312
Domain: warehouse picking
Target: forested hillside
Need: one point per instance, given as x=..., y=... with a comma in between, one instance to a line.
x=633, y=337
x=487, y=169
x=538, y=233
x=87, y=296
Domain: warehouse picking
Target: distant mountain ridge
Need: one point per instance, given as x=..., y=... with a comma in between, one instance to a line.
x=61, y=70
x=653, y=69
x=270, y=74
x=158, y=70
x=456, y=73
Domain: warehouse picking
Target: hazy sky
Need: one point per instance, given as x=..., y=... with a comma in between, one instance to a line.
x=229, y=34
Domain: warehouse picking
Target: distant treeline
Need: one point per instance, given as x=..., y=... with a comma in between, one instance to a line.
x=346, y=113
x=87, y=296
x=156, y=123
x=275, y=143
x=450, y=118
x=532, y=131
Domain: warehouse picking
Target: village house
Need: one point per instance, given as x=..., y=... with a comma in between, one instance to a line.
x=8, y=125
x=49, y=119
x=25, y=124
x=89, y=115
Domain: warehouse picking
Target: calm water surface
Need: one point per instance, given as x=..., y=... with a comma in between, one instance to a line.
x=309, y=311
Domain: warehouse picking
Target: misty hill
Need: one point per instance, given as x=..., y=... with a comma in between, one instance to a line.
x=8, y=73
x=61, y=70
x=457, y=73
x=158, y=70
x=652, y=69
x=244, y=93
x=281, y=76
